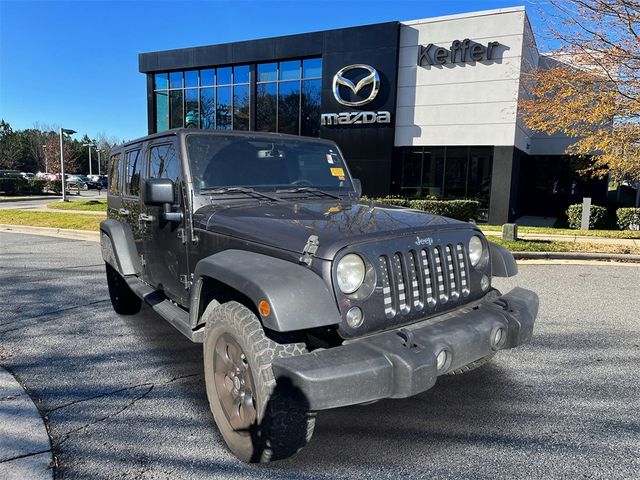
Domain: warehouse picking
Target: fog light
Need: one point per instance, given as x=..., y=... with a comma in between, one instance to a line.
x=354, y=317
x=442, y=359
x=484, y=282
x=498, y=336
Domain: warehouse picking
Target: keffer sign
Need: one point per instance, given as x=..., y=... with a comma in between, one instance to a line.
x=460, y=52
x=342, y=84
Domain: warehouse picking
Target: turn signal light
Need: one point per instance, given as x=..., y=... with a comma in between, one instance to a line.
x=264, y=308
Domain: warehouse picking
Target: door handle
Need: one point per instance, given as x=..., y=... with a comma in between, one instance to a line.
x=124, y=211
x=143, y=217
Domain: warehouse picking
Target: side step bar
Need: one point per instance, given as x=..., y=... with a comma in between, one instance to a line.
x=173, y=314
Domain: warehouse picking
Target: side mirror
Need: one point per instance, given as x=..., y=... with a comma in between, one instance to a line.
x=358, y=186
x=158, y=192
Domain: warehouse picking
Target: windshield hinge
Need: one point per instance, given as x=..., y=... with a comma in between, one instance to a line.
x=187, y=281
x=309, y=250
x=182, y=235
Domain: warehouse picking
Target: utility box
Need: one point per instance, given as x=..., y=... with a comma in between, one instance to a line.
x=510, y=232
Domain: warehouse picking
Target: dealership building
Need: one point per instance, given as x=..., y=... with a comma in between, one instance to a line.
x=422, y=107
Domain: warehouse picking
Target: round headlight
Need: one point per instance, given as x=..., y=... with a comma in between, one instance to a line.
x=475, y=250
x=350, y=273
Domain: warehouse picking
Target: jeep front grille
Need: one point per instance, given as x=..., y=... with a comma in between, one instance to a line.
x=423, y=279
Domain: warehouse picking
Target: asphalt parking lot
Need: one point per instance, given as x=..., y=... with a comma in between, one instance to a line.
x=124, y=398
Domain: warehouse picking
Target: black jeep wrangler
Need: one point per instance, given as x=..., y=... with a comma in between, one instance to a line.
x=304, y=296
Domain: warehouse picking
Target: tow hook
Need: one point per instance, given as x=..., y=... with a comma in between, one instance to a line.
x=503, y=303
x=407, y=337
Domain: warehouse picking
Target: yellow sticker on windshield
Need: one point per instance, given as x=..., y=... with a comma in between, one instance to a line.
x=337, y=172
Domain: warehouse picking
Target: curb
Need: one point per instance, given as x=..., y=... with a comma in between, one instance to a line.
x=25, y=447
x=85, y=235
x=620, y=257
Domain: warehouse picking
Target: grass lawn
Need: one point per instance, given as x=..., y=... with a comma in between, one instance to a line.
x=554, y=246
x=567, y=231
x=89, y=205
x=51, y=219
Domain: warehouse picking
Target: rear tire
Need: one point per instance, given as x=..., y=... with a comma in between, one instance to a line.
x=260, y=420
x=469, y=367
x=124, y=301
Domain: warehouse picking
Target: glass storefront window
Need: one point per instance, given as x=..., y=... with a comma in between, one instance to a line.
x=267, y=72
x=208, y=108
x=241, y=74
x=290, y=70
x=175, y=80
x=176, y=108
x=266, y=106
x=161, y=81
x=310, y=114
x=162, y=111
x=192, y=112
x=223, y=76
x=191, y=79
x=223, y=108
x=289, y=107
x=312, y=68
x=208, y=77
x=241, y=107
x=456, y=172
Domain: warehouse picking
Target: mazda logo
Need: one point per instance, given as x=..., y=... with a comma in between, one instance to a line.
x=371, y=78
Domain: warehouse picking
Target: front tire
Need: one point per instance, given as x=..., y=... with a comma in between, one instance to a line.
x=261, y=420
x=124, y=301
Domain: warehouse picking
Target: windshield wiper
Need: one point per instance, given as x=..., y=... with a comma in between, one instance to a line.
x=248, y=191
x=309, y=190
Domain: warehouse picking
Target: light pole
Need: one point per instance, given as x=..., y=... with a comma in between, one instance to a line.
x=44, y=152
x=90, y=145
x=68, y=131
x=99, y=152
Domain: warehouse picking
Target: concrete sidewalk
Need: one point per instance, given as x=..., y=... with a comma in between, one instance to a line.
x=25, y=448
x=629, y=242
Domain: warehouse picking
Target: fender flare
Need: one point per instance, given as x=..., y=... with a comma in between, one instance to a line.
x=502, y=262
x=118, y=247
x=298, y=297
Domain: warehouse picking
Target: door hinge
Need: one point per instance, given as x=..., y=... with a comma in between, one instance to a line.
x=143, y=262
x=309, y=250
x=182, y=236
x=186, y=280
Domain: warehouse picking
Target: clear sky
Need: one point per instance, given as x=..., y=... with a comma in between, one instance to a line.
x=75, y=63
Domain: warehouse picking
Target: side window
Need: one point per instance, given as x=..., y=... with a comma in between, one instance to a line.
x=164, y=163
x=114, y=175
x=132, y=173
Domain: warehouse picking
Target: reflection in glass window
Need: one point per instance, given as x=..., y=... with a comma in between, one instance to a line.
x=289, y=107
x=241, y=74
x=191, y=79
x=208, y=108
x=456, y=172
x=267, y=72
x=312, y=68
x=161, y=81
x=162, y=111
x=175, y=80
x=163, y=162
x=132, y=173
x=224, y=76
x=192, y=112
x=207, y=77
x=241, y=107
x=223, y=108
x=266, y=106
x=479, y=186
x=290, y=70
x=432, y=171
x=175, y=100
x=310, y=114
x=114, y=175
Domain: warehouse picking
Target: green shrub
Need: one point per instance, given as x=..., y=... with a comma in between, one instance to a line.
x=597, y=218
x=12, y=185
x=54, y=186
x=395, y=201
x=627, y=217
x=458, y=209
x=36, y=185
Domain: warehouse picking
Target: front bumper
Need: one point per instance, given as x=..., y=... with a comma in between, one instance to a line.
x=402, y=362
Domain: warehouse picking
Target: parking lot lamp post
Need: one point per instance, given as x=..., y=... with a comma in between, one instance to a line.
x=90, y=145
x=68, y=132
x=99, y=152
x=44, y=152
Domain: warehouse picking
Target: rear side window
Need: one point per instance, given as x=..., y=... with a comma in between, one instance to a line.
x=114, y=175
x=132, y=178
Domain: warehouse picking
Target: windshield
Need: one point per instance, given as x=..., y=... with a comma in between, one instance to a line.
x=265, y=164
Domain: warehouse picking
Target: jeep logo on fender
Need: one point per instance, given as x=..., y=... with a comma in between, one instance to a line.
x=354, y=118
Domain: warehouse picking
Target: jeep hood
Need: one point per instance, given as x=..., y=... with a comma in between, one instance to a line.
x=289, y=224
